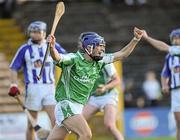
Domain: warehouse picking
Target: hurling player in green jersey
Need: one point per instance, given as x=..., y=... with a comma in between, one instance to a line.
x=79, y=73
x=104, y=98
x=104, y=95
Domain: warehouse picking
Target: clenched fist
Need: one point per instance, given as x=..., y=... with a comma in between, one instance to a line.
x=13, y=90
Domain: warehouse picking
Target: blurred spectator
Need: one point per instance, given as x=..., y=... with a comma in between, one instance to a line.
x=135, y=2
x=140, y=102
x=128, y=93
x=7, y=7
x=151, y=88
x=106, y=1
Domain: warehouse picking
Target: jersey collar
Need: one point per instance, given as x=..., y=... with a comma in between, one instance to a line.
x=80, y=55
x=31, y=43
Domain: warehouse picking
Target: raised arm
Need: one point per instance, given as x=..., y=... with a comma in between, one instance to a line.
x=126, y=51
x=53, y=51
x=160, y=45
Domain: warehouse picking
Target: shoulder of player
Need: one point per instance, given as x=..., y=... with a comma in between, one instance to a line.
x=60, y=48
x=23, y=48
x=168, y=56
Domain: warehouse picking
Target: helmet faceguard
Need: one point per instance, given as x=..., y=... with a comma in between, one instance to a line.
x=91, y=42
x=174, y=33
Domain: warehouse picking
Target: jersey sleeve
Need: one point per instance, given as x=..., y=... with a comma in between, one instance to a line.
x=108, y=58
x=66, y=59
x=166, y=71
x=60, y=49
x=174, y=50
x=110, y=69
x=18, y=60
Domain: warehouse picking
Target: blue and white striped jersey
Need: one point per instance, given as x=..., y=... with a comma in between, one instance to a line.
x=171, y=70
x=30, y=57
x=174, y=50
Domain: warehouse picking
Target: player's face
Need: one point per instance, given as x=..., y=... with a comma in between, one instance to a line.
x=99, y=50
x=37, y=36
x=176, y=41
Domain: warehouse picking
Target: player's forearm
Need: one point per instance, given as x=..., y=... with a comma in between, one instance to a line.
x=14, y=76
x=160, y=45
x=126, y=51
x=55, y=54
x=164, y=82
x=113, y=83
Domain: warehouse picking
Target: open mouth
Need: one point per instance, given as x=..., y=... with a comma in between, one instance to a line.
x=101, y=53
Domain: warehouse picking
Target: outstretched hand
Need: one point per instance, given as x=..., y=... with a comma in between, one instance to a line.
x=138, y=33
x=145, y=35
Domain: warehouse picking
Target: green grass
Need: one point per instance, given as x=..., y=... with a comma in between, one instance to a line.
x=162, y=138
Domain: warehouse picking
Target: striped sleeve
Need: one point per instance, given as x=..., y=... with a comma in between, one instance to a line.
x=18, y=60
x=60, y=49
x=166, y=71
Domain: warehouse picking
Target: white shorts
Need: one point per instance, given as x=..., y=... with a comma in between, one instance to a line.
x=175, y=100
x=101, y=101
x=39, y=95
x=65, y=109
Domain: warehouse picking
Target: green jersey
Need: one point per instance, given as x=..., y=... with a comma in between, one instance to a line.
x=104, y=77
x=78, y=76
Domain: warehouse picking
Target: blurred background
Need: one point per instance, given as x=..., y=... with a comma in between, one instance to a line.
x=140, y=115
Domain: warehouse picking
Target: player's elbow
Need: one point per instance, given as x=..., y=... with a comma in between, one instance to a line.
x=125, y=55
x=120, y=56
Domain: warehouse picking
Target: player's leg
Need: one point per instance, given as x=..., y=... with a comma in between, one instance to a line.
x=79, y=126
x=33, y=104
x=67, y=114
x=30, y=130
x=50, y=111
x=90, y=108
x=175, y=107
x=76, y=124
x=177, y=118
x=57, y=133
x=110, y=121
x=48, y=101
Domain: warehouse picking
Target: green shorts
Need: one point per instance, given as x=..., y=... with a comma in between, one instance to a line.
x=65, y=109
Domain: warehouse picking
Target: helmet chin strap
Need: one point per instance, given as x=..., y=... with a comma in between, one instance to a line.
x=95, y=58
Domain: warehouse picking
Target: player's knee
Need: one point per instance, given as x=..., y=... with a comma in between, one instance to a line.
x=109, y=126
x=86, y=135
